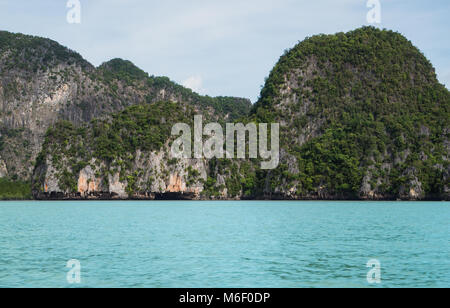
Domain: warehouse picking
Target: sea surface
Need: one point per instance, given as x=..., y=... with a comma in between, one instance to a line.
x=224, y=244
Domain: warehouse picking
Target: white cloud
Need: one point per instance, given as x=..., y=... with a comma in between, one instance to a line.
x=195, y=83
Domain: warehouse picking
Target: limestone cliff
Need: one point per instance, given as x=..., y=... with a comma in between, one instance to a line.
x=150, y=179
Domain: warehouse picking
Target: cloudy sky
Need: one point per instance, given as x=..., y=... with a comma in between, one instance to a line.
x=224, y=47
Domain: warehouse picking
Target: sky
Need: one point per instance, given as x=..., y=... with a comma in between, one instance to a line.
x=225, y=47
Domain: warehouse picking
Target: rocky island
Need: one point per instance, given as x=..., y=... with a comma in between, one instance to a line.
x=362, y=117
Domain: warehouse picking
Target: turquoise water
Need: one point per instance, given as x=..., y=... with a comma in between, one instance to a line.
x=224, y=244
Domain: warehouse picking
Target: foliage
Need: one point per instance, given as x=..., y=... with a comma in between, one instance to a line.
x=31, y=53
x=122, y=70
x=14, y=190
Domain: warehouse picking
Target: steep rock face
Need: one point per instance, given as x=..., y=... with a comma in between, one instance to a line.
x=151, y=179
x=3, y=169
x=42, y=82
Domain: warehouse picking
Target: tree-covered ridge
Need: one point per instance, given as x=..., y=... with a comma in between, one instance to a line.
x=377, y=56
x=122, y=70
x=32, y=53
x=366, y=115
x=125, y=71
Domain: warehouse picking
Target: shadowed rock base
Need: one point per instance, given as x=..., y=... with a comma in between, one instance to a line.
x=174, y=196
x=113, y=196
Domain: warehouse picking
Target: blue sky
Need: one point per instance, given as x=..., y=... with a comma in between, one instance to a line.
x=222, y=47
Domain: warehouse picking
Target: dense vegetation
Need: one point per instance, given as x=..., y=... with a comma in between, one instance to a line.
x=14, y=190
x=32, y=53
x=121, y=70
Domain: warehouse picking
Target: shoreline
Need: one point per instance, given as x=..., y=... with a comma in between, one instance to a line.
x=228, y=200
